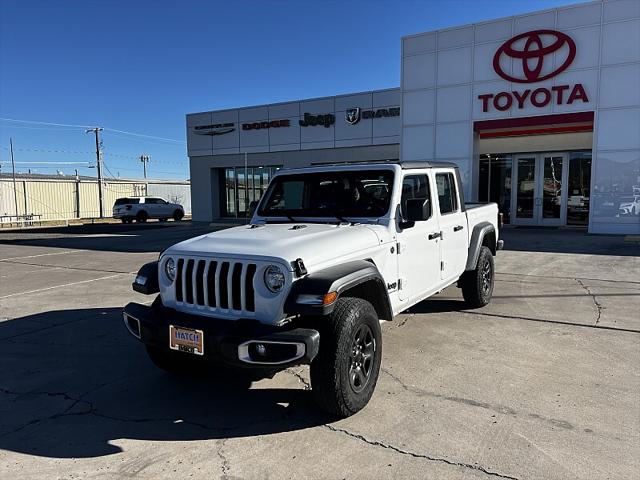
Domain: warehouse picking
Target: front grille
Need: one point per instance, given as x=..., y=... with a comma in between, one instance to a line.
x=217, y=285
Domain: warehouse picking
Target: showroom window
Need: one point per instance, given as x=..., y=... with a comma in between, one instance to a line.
x=240, y=187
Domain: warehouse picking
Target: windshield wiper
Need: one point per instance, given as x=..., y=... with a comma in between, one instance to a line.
x=339, y=216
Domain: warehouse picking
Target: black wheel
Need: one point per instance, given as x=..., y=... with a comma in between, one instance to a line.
x=345, y=372
x=477, y=285
x=163, y=219
x=177, y=215
x=142, y=216
x=124, y=220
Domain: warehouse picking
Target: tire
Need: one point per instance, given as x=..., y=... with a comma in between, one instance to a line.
x=177, y=215
x=163, y=219
x=124, y=220
x=341, y=383
x=477, y=285
x=142, y=216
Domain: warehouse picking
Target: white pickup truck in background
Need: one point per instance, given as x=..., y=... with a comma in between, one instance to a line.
x=330, y=251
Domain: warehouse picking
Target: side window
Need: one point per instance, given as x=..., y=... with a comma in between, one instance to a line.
x=447, y=193
x=414, y=186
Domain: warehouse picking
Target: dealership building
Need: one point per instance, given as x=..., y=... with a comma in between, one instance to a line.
x=540, y=111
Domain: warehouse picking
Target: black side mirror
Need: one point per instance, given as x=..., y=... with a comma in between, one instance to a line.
x=252, y=208
x=418, y=209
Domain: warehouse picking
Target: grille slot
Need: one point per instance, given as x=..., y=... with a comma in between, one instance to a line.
x=199, y=276
x=224, y=286
x=216, y=285
x=211, y=283
x=250, y=304
x=179, y=280
x=188, y=281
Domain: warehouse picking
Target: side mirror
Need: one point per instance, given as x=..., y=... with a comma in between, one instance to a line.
x=252, y=208
x=418, y=210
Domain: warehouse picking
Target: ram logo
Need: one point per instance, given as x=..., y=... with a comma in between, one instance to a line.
x=352, y=115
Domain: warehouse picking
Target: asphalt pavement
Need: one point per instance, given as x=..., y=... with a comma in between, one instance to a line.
x=544, y=383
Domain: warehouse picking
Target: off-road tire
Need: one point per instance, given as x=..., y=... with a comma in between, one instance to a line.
x=142, y=216
x=332, y=388
x=177, y=215
x=477, y=284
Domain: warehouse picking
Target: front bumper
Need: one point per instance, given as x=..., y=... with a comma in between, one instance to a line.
x=231, y=342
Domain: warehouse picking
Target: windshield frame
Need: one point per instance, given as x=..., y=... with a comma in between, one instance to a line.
x=312, y=216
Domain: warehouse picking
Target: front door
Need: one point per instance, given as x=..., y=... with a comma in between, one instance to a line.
x=419, y=244
x=539, y=193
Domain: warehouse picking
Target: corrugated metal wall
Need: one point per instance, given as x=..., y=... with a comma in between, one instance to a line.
x=68, y=199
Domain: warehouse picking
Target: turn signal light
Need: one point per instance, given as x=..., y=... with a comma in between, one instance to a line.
x=329, y=298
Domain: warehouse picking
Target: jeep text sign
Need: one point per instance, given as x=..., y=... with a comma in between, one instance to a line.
x=528, y=53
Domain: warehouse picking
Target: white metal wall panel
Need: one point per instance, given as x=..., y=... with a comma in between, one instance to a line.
x=454, y=66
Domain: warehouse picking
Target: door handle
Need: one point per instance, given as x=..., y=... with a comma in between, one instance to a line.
x=457, y=228
x=434, y=236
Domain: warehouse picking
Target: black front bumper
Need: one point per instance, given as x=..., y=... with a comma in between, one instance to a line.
x=230, y=342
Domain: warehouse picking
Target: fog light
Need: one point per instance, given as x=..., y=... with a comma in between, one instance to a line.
x=261, y=349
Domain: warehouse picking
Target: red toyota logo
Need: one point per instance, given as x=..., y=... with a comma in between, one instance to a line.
x=533, y=54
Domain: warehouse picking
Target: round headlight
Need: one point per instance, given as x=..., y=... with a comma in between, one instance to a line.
x=170, y=269
x=274, y=278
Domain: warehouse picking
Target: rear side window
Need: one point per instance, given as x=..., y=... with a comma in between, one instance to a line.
x=447, y=193
x=125, y=201
x=414, y=186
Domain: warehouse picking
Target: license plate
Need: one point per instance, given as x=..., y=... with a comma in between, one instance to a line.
x=186, y=340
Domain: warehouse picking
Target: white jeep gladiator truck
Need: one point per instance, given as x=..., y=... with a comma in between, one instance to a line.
x=330, y=252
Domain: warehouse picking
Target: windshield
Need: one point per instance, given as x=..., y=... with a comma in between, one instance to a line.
x=365, y=193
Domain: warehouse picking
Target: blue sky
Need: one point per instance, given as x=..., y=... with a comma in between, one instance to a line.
x=140, y=66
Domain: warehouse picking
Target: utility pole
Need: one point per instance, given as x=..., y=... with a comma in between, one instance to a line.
x=15, y=188
x=144, y=159
x=97, y=131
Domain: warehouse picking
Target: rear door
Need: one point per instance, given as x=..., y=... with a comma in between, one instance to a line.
x=453, y=226
x=418, y=245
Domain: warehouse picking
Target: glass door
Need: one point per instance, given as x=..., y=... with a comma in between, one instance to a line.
x=524, y=192
x=551, y=198
x=540, y=194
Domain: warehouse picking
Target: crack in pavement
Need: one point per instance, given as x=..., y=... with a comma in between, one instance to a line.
x=64, y=267
x=566, y=278
x=300, y=378
x=388, y=446
x=501, y=409
x=554, y=322
x=225, y=461
x=596, y=303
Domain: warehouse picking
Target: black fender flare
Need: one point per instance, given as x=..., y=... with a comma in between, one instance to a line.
x=146, y=280
x=477, y=238
x=339, y=279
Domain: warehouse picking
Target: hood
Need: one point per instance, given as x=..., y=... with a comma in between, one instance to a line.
x=313, y=243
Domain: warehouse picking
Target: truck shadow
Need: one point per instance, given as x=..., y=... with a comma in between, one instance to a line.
x=75, y=384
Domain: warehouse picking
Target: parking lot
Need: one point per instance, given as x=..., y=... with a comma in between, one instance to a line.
x=543, y=383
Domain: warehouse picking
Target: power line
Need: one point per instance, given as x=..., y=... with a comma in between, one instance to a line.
x=113, y=130
x=34, y=122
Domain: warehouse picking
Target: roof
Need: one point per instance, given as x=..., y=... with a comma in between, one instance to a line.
x=415, y=165
x=369, y=164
